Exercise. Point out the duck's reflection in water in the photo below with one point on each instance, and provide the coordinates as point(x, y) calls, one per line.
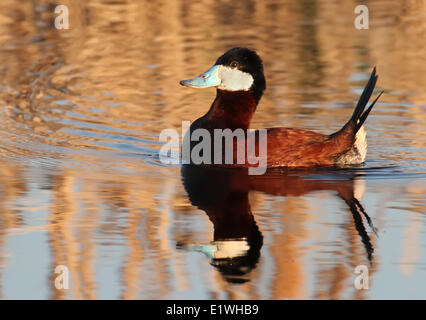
point(224, 195)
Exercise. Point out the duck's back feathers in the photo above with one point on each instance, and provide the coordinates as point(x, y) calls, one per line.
point(289, 147)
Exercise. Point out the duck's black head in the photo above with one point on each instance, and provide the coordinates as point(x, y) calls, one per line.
point(239, 69)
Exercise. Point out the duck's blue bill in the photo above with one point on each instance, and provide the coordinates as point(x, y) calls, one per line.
point(210, 78)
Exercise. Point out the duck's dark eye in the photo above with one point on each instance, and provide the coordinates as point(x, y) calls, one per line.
point(234, 64)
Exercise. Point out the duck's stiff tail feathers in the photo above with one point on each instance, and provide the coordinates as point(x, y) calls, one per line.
point(359, 116)
point(350, 141)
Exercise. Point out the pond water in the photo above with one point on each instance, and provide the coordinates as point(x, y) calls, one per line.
point(82, 185)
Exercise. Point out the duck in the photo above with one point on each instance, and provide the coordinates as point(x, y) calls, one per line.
point(239, 79)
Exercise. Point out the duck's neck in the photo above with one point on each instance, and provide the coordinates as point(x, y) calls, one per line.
point(232, 109)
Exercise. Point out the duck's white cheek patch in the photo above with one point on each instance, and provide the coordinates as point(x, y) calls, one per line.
point(234, 79)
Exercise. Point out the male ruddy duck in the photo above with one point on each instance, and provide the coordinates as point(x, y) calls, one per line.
point(240, 82)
